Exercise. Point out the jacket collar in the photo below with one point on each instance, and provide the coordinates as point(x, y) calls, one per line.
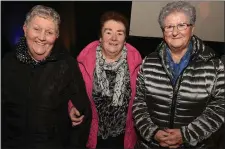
point(199, 51)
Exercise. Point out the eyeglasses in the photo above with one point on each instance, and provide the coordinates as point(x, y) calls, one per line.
point(180, 27)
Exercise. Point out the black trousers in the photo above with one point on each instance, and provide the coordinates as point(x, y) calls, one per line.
point(111, 142)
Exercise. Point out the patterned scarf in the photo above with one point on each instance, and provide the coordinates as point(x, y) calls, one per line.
point(22, 53)
point(120, 68)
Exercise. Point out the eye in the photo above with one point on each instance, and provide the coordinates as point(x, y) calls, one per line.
point(36, 28)
point(107, 32)
point(50, 33)
point(181, 25)
point(169, 27)
point(120, 33)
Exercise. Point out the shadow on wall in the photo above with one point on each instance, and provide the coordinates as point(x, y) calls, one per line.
point(147, 45)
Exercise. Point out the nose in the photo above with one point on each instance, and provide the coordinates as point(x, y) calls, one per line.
point(114, 36)
point(42, 36)
point(175, 31)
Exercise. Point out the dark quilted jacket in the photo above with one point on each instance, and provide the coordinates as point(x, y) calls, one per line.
point(195, 104)
point(35, 97)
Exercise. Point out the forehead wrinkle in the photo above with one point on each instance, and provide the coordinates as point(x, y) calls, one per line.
point(175, 21)
point(49, 27)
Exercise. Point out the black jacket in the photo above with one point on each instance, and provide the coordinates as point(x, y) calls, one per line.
point(195, 104)
point(35, 99)
point(223, 59)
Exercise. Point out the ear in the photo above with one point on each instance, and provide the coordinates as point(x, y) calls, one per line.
point(25, 29)
point(192, 30)
point(100, 39)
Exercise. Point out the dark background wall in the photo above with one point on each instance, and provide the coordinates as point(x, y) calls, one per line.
point(79, 26)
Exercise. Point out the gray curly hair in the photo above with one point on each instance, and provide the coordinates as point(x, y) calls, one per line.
point(177, 6)
point(44, 12)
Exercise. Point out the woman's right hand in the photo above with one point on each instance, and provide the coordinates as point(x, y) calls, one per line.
point(75, 117)
point(160, 137)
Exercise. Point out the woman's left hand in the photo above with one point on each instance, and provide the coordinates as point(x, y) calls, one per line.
point(174, 139)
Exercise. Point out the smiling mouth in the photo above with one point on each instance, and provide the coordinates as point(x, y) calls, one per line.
point(177, 38)
point(113, 44)
point(39, 43)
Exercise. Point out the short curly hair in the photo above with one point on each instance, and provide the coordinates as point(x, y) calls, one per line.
point(177, 6)
point(45, 12)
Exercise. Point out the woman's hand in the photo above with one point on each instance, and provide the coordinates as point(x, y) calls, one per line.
point(170, 138)
point(175, 136)
point(174, 139)
point(75, 117)
point(159, 136)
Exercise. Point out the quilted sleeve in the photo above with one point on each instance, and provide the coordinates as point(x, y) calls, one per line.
point(212, 117)
point(146, 128)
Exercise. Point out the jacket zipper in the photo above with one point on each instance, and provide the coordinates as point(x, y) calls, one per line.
point(172, 110)
point(175, 90)
point(174, 99)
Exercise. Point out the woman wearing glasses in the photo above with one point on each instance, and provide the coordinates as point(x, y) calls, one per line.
point(180, 87)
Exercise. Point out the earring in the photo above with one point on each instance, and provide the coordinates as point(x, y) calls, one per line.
point(100, 42)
